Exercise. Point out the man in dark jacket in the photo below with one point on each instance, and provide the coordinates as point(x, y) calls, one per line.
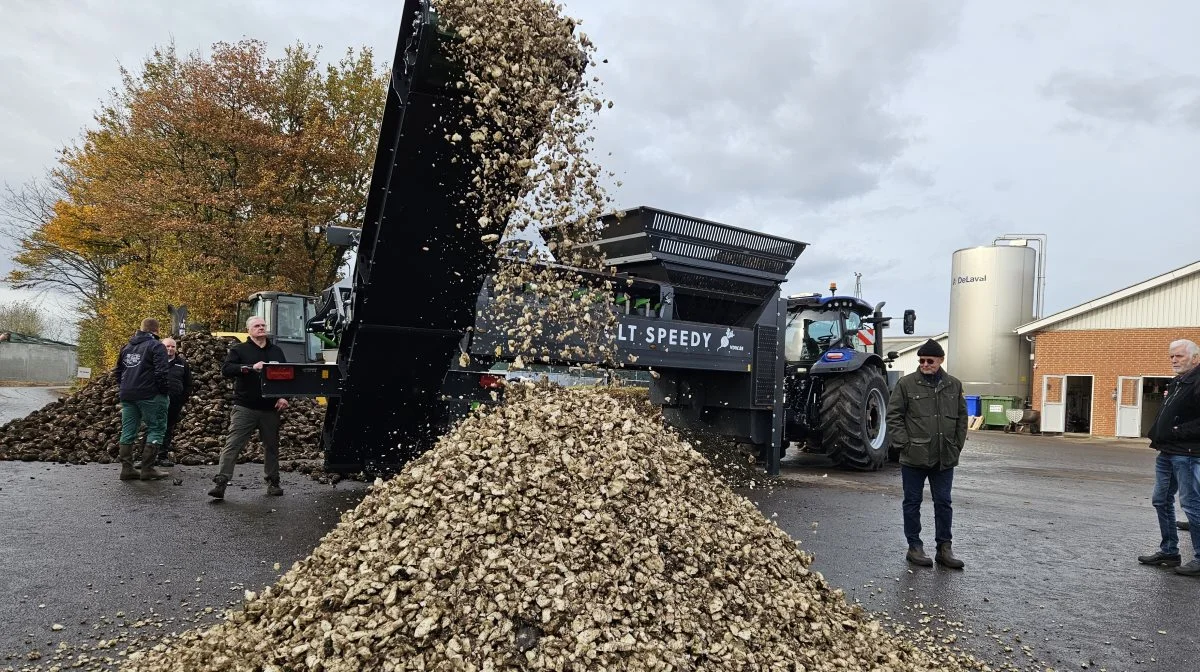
point(142, 380)
point(251, 411)
point(927, 419)
point(179, 382)
point(1176, 436)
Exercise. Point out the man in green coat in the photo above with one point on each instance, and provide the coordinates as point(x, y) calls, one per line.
point(927, 420)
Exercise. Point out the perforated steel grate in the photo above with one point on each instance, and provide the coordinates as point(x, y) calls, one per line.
point(704, 252)
point(724, 235)
point(766, 354)
point(683, 279)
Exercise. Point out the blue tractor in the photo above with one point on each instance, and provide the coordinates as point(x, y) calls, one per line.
point(836, 381)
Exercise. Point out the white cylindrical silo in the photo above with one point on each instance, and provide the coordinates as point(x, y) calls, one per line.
point(991, 294)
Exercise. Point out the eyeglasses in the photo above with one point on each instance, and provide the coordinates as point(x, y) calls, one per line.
point(927, 360)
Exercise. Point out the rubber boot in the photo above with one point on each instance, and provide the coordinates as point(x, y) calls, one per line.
point(138, 449)
point(128, 473)
point(945, 557)
point(218, 490)
point(149, 455)
point(916, 555)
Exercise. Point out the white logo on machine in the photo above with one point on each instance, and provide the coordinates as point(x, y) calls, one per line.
point(132, 359)
point(668, 336)
point(725, 342)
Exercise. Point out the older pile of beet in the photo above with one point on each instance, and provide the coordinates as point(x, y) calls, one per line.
point(85, 426)
point(561, 531)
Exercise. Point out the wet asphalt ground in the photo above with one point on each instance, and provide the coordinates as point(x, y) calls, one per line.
point(17, 402)
point(105, 558)
point(1048, 527)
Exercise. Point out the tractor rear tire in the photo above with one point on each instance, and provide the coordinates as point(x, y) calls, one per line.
point(853, 421)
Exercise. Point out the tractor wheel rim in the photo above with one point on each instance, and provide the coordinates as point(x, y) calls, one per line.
point(875, 418)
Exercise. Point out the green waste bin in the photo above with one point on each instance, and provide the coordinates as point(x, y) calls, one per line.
point(995, 409)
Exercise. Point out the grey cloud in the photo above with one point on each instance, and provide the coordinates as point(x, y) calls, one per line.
point(912, 175)
point(784, 101)
point(903, 262)
point(1042, 24)
point(1144, 99)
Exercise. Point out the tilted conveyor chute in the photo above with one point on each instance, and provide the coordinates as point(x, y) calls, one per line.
point(419, 263)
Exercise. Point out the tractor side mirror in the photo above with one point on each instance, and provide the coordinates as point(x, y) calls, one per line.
point(910, 321)
point(893, 356)
point(342, 236)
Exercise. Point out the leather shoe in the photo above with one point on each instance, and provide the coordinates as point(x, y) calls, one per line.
point(945, 557)
point(218, 490)
point(1160, 558)
point(1190, 569)
point(916, 555)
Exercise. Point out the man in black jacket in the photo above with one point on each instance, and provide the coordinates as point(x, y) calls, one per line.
point(1176, 436)
point(251, 411)
point(179, 382)
point(142, 380)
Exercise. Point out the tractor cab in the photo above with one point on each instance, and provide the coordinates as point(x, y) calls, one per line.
point(287, 316)
point(817, 324)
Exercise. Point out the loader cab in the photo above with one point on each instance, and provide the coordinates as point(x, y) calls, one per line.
point(286, 315)
point(816, 324)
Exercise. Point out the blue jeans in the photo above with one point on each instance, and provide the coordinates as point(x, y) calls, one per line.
point(1172, 474)
point(940, 482)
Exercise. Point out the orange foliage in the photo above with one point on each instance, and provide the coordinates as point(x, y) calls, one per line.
point(205, 179)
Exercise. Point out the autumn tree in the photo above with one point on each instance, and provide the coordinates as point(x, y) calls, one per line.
point(202, 180)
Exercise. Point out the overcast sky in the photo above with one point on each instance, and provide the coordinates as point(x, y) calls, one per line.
point(887, 134)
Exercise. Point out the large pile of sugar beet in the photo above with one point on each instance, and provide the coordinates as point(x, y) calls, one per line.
point(560, 531)
point(85, 426)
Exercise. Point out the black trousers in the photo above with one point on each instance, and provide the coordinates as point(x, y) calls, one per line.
point(173, 413)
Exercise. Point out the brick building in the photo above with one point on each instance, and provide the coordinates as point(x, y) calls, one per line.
point(1101, 367)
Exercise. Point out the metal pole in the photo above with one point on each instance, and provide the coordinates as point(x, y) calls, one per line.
point(1039, 293)
point(1040, 289)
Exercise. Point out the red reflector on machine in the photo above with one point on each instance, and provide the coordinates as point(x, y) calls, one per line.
point(280, 372)
point(489, 381)
point(834, 356)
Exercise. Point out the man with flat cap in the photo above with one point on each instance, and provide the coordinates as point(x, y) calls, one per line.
point(927, 420)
